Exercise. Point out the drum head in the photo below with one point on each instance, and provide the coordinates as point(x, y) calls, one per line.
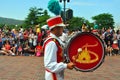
point(86, 50)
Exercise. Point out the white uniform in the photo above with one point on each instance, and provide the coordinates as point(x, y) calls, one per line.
point(54, 70)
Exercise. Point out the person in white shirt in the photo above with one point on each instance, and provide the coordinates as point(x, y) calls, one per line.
point(53, 58)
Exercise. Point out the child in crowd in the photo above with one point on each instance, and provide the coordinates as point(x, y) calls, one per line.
point(14, 46)
point(115, 47)
point(109, 48)
point(38, 50)
point(20, 50)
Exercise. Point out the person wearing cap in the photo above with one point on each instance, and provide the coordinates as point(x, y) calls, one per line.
point(53, 59)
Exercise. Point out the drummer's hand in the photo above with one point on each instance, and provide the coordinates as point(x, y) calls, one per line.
point(70, 65)
point(74, 58)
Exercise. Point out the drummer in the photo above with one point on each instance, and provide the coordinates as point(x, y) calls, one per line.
point(53, 58)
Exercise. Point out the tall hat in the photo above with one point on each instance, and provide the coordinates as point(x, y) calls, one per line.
point(55, 21)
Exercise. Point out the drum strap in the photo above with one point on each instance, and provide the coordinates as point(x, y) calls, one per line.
point(51, 39)
point(59, 52)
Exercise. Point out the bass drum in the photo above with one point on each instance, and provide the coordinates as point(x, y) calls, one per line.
point(86, 50)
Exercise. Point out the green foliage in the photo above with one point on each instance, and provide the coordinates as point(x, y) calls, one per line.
point(35, 17)
point(32, 18)
point(104, 20)
point(76, 23)
point(45, 12)
point(42, 19)
point(39, 16)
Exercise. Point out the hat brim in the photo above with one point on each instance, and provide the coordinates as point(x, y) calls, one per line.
point(58, 25)
point(62, 25)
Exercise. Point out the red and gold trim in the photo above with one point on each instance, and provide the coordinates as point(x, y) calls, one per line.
point(54, 77)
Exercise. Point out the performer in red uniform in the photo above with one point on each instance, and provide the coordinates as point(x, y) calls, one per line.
point(53, 54)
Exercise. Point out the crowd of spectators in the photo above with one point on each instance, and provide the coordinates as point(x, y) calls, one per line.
point(110, 37)
point(22, 41)
point(29, 42)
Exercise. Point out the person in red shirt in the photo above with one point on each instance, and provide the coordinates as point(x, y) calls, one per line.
point(25, 35)
point(39, 39)
point(38, 50)
point(7, 48)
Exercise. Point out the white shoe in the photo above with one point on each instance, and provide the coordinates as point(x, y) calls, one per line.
point(13, 54)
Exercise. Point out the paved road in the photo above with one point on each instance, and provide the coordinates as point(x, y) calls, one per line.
point(31, 68)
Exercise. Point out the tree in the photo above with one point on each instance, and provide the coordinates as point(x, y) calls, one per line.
point(32, 18)
point(76, 23)
point(104, 20)
point(42, 19)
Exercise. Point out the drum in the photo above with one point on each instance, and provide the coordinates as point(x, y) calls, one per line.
point(86, 50)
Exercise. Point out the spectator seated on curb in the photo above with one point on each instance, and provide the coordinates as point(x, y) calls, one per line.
point(14, 47)
point(6, 49)
point(115, 47)
point(20, 50)
point(27, 50)
point(109, 49)
point(38, 50)
point(2, 52)
point(31, 51)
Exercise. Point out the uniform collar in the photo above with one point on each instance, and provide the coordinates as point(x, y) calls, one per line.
point(54, 36)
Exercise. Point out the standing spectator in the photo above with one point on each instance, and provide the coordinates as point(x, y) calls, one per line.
point(84, 28)
point(111, 30)
point(44, 35)
point(118, 38)
point(25, 35)
point(30, 38)
point(39, 38)
point(37, 29)
point(0, 41)
point(13, 33)
point(115, 43)
point(21, 29)
point(20, 36)
point(114, 34)
point(16, 34)
point(3, 38)
point(108, 37)
point(35, 40)
point(103, 30)
point(63, 37)
point(11, 39)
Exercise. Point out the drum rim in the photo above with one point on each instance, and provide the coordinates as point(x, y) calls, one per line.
point(102, 58)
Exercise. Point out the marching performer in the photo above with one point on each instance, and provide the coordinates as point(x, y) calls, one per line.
point(53, 56)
